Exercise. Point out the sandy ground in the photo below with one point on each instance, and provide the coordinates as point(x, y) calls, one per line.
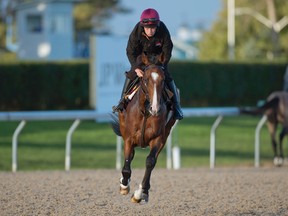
point(195, 191)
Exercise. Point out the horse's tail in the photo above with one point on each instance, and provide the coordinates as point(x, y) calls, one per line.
point(114, 122)
point(260, 110)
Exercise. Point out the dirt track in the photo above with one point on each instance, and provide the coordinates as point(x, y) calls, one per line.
point(196, 191)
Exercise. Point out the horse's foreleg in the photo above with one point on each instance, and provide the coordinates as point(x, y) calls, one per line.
point(126, 170)
point(143, 192)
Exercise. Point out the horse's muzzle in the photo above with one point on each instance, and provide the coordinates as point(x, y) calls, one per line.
point(154, 112)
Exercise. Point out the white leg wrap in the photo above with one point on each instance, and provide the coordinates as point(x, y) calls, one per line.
point(124, 186)
point(138, 193)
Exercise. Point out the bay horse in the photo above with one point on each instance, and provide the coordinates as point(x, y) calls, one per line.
point(276, 110)
point(146, 122)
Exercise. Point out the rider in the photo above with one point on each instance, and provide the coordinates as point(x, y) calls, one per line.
point(150, 35)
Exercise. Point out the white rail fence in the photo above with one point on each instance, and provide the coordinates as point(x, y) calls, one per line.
point(78, 116)
point(23, 117)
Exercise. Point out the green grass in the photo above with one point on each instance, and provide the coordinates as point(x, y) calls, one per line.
point(41, 144)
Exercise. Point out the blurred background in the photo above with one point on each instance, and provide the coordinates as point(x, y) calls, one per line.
point(202, 30)
point(225, 45)
point(227, 53)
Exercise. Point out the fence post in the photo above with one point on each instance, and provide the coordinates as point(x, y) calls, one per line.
point(257, 140)
point(15, 144)
point(118, 152)
point(68, 144)
point(212, 141)
point(176, 157)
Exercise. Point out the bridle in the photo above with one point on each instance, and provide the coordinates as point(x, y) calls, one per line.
point(146, 113)
point(144, 87)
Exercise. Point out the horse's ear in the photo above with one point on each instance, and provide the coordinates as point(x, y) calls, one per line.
point(161, 58)
point(144, 58)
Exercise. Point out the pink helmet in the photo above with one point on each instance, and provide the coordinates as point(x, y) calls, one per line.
point(149, 18)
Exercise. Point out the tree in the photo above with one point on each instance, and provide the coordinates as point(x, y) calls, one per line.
point(92, 14)
point(253, 39)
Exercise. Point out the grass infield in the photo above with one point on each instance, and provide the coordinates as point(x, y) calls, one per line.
point(41, 144)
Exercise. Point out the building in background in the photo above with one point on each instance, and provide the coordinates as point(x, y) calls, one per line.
point(45, 30)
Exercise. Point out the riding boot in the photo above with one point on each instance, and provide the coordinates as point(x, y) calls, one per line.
point(178, 114)
point(121, 104)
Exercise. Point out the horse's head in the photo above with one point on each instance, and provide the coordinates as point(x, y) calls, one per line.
point(153, 83)
point(156, 59)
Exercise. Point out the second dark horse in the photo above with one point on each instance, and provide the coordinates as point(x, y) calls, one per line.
point(276, 110)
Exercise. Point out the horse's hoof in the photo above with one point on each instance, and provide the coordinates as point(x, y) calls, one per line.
point(144, 197)
point(138, 196)
point(124, 191)
point(278, 161)
point(134, 200)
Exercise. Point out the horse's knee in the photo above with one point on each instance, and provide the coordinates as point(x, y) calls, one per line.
point(150, 162)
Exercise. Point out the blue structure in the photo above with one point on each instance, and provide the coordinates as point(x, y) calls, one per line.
point(45, 30)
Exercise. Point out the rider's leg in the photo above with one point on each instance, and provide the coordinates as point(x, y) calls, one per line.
point(178, 114)
point(120, 106)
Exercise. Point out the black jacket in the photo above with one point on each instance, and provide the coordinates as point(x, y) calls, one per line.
point(138, 43)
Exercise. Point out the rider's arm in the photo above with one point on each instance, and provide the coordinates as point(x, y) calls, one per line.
point(134, 49)
point(167, 43)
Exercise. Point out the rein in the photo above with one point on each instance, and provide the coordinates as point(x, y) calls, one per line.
point(144, 112)
point(142, 140)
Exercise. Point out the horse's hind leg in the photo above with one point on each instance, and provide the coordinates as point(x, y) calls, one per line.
point(126, 170)
point(272, 126)
point(281, 137)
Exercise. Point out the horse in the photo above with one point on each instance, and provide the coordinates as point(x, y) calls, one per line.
point(276, 110)
point(146, 122)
